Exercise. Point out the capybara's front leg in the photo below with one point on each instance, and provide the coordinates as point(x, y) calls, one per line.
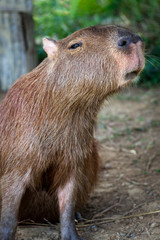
point(12, 188)
point(67, 199)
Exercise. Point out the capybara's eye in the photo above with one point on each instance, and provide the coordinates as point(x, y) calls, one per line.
point(75, 45)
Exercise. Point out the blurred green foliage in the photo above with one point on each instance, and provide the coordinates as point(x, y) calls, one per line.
point(59, 18)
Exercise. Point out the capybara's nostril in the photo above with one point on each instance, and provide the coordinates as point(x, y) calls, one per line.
point(125, 41)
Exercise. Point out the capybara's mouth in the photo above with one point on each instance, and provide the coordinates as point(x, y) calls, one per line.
point(132, 75)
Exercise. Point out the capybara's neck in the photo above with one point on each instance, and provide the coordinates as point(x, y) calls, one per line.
point(60, 115)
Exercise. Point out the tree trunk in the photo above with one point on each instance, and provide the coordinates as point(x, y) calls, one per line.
point(17, 48)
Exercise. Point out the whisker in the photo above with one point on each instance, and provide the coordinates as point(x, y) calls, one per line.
point(156, 63)
point(153, 64)
point(154, 60)
point(147, 51)
point(154, 56)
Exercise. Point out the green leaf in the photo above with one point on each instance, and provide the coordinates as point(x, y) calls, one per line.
point(73, 7)
point(83, 7)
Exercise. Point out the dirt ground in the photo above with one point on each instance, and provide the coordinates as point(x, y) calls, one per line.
point(126, 202)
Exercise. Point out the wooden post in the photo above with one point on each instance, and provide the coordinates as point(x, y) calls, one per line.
point(17, 48)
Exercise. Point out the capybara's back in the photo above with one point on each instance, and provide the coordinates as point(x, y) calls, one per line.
point(48, 155)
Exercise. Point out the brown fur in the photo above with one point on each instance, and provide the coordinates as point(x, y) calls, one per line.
point(47, 121)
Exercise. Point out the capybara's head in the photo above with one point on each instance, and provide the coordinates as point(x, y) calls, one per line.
point(96, 60)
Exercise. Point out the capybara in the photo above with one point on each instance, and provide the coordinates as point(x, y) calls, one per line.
point(48, 155)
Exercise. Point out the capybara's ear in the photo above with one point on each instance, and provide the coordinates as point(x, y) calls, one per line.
point(50, 47)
